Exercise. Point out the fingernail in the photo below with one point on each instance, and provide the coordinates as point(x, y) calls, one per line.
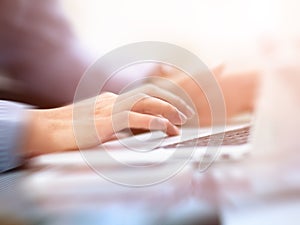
point(183, 118)
point(173, 131)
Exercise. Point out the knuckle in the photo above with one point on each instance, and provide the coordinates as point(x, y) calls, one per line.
point(126, 113)
point(108, 94)
point(170, 107)
point(150, 88)
point(139, 99)
point(142, 96)
point(165, 106)
point(178, 101)
point(124, 117)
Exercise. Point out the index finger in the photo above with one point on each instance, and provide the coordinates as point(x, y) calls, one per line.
point(162, 94)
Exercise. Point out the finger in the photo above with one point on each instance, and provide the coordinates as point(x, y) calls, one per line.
point(149, 105)
point(116, 136)
point(155, 106)
point(157, 92)
point(136, 120)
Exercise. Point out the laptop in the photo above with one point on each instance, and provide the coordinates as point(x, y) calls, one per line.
point(206, 145)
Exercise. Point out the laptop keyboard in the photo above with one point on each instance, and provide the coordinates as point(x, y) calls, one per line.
point(233, 137)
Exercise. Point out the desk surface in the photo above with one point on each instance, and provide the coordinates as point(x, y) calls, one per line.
point(227, 193)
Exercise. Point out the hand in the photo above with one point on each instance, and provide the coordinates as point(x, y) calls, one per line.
point(239, 91)
point(147, 107)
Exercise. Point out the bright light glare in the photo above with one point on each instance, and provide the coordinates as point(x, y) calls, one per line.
point(213, 29)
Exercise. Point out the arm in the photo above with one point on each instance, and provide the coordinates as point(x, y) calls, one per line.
point(29, 133)
point(239, 91)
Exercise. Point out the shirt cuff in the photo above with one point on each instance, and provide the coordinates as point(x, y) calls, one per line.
point(12, 121)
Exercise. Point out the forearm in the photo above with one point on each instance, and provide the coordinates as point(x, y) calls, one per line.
point(26, 133)
point(48, 131)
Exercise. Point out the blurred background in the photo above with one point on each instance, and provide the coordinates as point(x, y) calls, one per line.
point(233, 31)
point(215, 30)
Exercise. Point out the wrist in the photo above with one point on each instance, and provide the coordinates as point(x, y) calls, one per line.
point(50, 131)
point(39, 138)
